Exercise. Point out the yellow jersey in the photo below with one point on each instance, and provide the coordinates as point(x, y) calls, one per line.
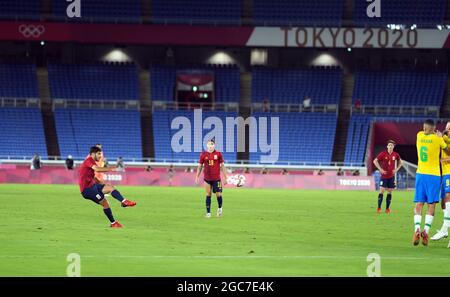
point(428, 148)
point(444, 155)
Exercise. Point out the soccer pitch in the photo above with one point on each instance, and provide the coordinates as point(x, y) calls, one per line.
point(263, 233)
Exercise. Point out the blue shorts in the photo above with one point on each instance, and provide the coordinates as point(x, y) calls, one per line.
point(94, 193)
point(445, 185)
point(388, 183)
point(216, 185)
point(427, 188)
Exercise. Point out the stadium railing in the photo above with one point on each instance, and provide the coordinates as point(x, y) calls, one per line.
point(400, 110)
point(288, 107)
point(216, 106)
point(139, 162)
point(95, 103)
point(20, 102)
point(144, 20)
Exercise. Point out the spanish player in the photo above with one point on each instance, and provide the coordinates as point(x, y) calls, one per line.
point(388, 163)
point(100, 176)
point(212, 162)
point(428, 178)
point(96, 192)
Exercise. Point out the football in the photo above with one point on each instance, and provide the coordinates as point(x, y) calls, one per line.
point(238, 180)
point(241, 181)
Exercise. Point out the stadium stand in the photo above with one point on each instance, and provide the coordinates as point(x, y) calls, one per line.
point(162, 139)
point(297, 12)
point(20, 10)
point(197, 12)
point(227, 81)
point(18, 81)
point(22, 132)
point(358, 133)
point(94, 82)
point(109, 11)
point(119, 131)
point(423, 13)
point(399, 88)
point(296, 128)
point(293, 85)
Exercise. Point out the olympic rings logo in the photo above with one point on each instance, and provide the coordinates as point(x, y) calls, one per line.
point(31, 30)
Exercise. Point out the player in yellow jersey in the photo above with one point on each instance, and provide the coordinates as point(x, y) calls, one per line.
point(428, 178)
point(445, 188)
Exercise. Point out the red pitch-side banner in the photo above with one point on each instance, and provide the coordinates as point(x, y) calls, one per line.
point(140, 177)
point(326, 37)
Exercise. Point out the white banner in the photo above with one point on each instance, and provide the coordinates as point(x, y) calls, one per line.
point(348, 37)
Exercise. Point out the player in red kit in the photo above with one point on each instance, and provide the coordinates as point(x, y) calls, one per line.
point(386, 163)
point(212, 162)
point(95, 191)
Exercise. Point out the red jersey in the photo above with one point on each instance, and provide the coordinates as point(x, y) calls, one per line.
point(211, 163)
point(86, 174)
point(387, 162)
point(100, 163)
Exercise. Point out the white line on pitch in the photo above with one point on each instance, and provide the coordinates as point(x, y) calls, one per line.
point(229, 257)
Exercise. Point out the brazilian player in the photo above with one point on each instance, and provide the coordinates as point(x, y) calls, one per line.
point(445, 188)
point(428, 178)
point(95, 191)
point(212, 162)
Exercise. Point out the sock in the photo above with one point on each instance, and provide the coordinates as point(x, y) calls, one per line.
point(116, 194)
point(208, 204)
point(380, 200)
point(444, 227)
point(219, 201)
point(417, 222)
point(428, 222)
point(108, 213)
point(446, 216)
point(388, 200)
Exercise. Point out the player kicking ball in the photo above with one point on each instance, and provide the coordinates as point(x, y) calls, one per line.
point(386, 163)
point(95, 191)
point(212, 162)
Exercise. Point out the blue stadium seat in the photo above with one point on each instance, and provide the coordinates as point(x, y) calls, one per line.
point(18, 81)
point(197, 12)
point(94, 82)
point(358, 133)
point(298, 13)
point(104, 11)
point(423, 13)
point(20, 10)
point(293, 85)
point(119, 131)
point(22, 132)
point(163, 134)
point(318, 128)
point(399, 88)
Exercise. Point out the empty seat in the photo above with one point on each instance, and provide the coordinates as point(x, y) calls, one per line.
point(94, 82)
point(293, 85)
point(119, 131)
point(22, 132)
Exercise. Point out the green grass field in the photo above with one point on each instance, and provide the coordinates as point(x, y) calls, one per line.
point(262, 233)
